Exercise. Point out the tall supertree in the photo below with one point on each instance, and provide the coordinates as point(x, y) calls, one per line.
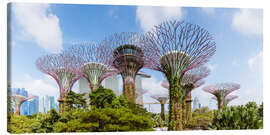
point(65, 71)
point(221, 91)
point(94, 60)
point(19, 100)
point(162, 99)
point(173, 48)
point(226, 100)
point(127, 57)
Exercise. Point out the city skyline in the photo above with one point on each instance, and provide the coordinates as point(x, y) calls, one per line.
point(243, 42)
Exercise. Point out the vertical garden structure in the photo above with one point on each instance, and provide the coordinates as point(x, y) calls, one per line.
point(162, 99)
point(93, 59)
point(126, 57)
point(221, 92)
point(173, 48)
point(19, 100)
point(64, 69)
point(226, 100)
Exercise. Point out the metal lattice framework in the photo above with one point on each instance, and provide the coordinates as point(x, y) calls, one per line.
point(173, 48)
point(94, 60)
point(126, 57)
point(64, 69)
point(19, 100)
point(162, 99)
point(221, 91)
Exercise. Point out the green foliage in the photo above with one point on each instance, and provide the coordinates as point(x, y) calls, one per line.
point(158, 122)
point(108, 113)
point(101, 97)
point(75, 100)
point(201, 119)
point(238, 117)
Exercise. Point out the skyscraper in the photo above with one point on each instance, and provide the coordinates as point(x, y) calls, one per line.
point(33, 106)
point(138, 86)
point(196, 104)
point(111, 82)
point(46, 103)
point(84, 88)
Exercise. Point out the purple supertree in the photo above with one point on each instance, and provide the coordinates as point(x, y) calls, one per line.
point(162, 99)
point(173, 48)
point(226, 100)
point(19, 100)
point(221, 91)
point(95, 68)
point(127, 57)
point(64, 69)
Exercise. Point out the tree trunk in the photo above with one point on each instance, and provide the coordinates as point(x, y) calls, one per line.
point(18, 109)
point(129, 92)
point(175, 104)
point(162, 112)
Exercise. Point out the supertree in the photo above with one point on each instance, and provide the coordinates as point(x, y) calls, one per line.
point(139, 94)
point(173, 48)
point(94, 60)
point(162, 99)
point(64, 69)
point(226, 100)
point(19, 100)
point(126, 57)
point(221, 91)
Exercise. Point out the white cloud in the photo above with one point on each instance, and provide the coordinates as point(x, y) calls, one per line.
point(211, 67)
point(38, 87)
point(248, 21)
point(39, 24)
point(153, 86)
point(151, 16)
point(256, 63)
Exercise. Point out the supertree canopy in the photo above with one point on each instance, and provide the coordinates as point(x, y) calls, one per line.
point(64, 69)
point(174, 47)
point(127, 57)
point(221, 91)
point(19, 100)
point(94, 60)
point(162, 99)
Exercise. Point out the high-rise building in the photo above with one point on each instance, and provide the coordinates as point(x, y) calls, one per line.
point(33, 106)
point(138, 86)
point(196, 104)
point(84, 88)
point(46, 103)
point(111, 82)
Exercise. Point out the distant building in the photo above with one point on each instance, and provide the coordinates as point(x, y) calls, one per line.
point(196, 104)
point(33, 106)
point(138, 86)
point(84, 88)
point(47, 103)
point(111, 82)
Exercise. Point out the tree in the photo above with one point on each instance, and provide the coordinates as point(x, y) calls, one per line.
point(127, 57)
point(221, 92)
point(238, 117)
point(201, 119)
point(162, 99)
point(75, 100)
point(173, 48)
point(19, 100)
point(101, 97)
point(64, 69)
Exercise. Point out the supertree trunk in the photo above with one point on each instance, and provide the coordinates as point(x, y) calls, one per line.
point(175, 104)
point(18, 109)
point(188, 110)
point(129, 92)
point(162, 113)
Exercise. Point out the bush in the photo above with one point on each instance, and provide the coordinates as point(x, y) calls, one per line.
point(238, 117)
point(201, 119)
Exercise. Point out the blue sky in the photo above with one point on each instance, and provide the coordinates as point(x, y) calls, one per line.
point(37, 29)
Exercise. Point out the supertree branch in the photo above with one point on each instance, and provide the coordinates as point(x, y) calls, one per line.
point(126, 57)
point(94, 60)
point(64, 69)
point(173, 48)
point(162, 99)
point(221, 91)
point(19, 100)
